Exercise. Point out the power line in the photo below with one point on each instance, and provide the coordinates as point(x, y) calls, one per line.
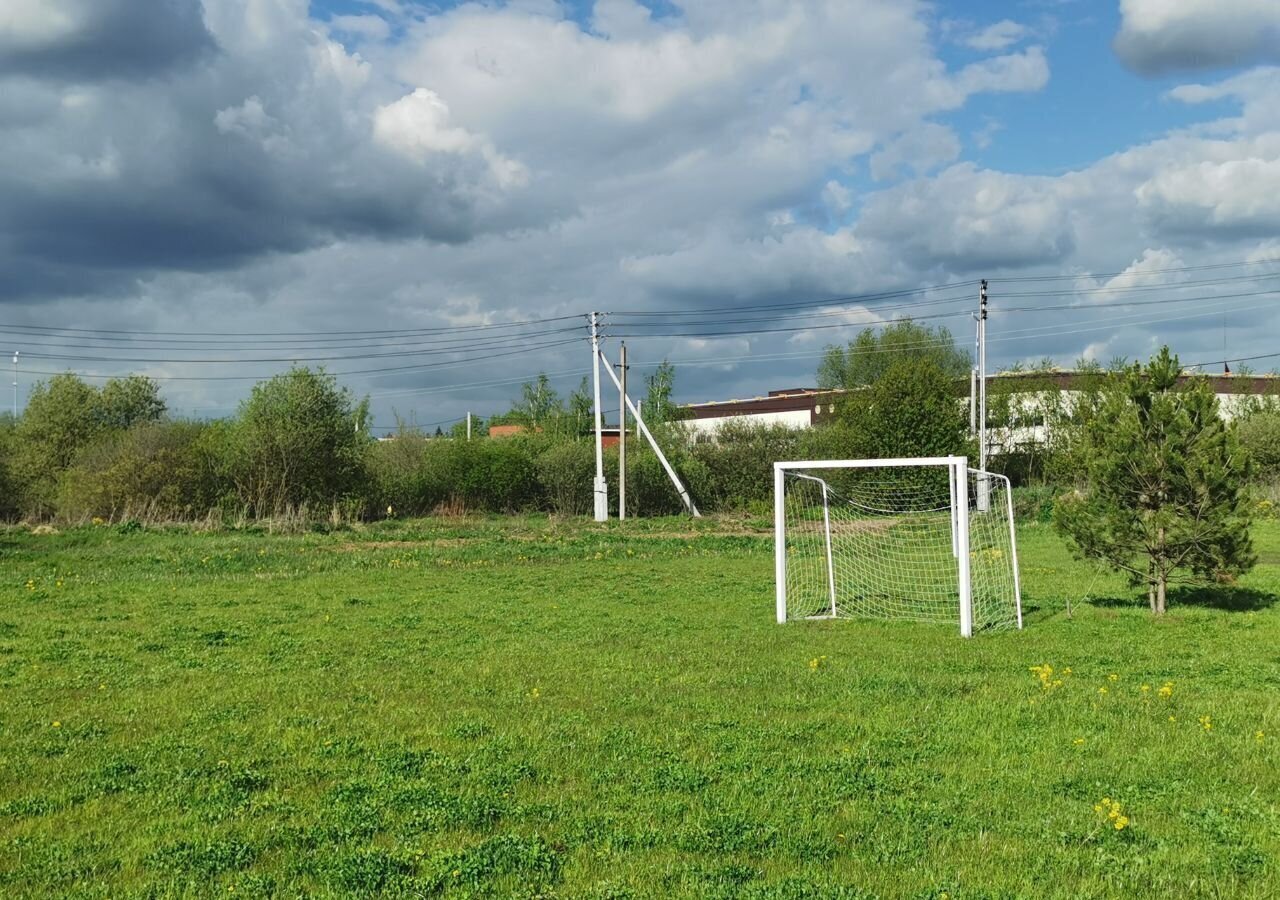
point(393, 332)
point(377, 371)
point(1161, 271)
point(453, 347)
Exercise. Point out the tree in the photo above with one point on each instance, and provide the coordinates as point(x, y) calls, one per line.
point(62, 417)
point(871, 354)
point(540, 401)
point(911, 410)
point(127, 401)
point(1162, 480)
point(657, 406)
point(581, 408)
point(297, 442)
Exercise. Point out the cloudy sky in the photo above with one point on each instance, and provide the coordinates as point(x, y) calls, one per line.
point(203, 190)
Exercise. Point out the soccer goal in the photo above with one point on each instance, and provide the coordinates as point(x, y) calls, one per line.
point(927, 539)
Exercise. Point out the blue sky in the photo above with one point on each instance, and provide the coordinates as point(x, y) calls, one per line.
point(269, 170)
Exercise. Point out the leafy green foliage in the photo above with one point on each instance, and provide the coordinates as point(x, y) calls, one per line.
point(298, 442)
point(1259, 434)
point(158, 470)
point(870, 355)
point(911, 410)
point(1163, 479)
point(657, 406)
point(63, 416)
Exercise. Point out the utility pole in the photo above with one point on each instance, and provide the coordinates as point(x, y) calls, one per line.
point(468, 424)
point(15, 384)
point(622, 433)
point(601, 488)
point(983, 499)
point(973, 401)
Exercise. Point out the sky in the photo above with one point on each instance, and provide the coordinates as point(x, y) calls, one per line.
point(428, 198)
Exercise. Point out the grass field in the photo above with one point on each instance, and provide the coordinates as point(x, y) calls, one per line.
point(519, 707)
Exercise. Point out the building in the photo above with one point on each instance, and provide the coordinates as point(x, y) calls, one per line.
point(794, 408)
point(806, 407)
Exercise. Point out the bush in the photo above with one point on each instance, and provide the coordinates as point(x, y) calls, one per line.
point(1033, 504)
point(649, 489)
point(154, 470)
point(398, 476)
point(566, 473)
point(1260, 436)
point(9, 490)
point(739, 463)
point(297, 444)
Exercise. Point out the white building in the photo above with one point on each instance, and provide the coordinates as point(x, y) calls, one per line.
point(806, 407)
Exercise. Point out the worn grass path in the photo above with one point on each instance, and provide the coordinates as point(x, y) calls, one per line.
point(519, 707)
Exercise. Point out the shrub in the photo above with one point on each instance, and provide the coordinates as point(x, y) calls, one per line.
point(1260, 435)
point(566, 472)
point(153, 470)
point(297, 443)
point(739, 463)
point(398, 476)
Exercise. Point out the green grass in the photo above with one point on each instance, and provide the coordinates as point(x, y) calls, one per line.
point(523, 708)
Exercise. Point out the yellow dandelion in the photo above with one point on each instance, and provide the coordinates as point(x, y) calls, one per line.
point(1258, 736)
point(1078, 741)
point(1173, 718)
point(57, 724)
point(1066, 671)
point(1166, 690)
point(1206, 723)
point(1121, 823)
point(1146, 689)
point(1102, 690)
point(1113, 677)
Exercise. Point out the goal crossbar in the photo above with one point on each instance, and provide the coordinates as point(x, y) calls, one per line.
point(981, 543)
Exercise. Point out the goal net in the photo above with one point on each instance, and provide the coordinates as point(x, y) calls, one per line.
point(922, 539)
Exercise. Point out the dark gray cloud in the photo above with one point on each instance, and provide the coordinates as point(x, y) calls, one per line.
point(95, 39)
point(1159, 37)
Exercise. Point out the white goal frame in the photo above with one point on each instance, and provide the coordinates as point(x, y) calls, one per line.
point(958, 476)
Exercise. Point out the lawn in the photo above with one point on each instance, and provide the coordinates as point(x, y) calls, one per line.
point(524, 707)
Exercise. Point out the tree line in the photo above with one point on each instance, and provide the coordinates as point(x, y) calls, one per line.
point(1136, 468)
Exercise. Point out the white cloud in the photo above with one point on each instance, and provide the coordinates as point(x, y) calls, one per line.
point(1237, 194)
point(1158, 36)
point(373, 28)
point(418, 125)
point(998, 36)
point(923, 148)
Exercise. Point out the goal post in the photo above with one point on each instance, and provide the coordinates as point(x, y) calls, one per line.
point(926, 539)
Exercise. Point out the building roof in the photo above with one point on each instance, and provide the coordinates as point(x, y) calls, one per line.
point(799, 399)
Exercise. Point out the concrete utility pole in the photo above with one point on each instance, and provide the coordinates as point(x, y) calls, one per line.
point(983, 499)
point(601, 487)
point(468, 424)
point(622, 433)
point(15, 384)
point(973, 401)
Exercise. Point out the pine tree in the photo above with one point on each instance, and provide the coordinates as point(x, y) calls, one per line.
point(1162, 483)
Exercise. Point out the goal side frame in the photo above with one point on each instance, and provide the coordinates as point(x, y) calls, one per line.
point(958, 477)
